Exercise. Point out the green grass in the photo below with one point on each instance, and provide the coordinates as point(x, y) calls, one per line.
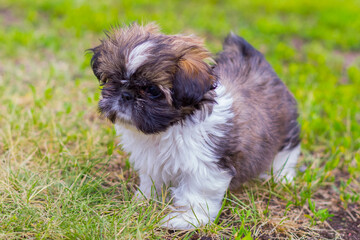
point(61, 174)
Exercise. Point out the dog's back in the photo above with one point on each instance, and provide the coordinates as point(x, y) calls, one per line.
point(265, 110)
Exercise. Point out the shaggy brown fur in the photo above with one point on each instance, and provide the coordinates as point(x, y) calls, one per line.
point(265, 119)
point(173, 52)
point(174, 64)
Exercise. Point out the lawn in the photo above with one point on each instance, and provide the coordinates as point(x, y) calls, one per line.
point(62, 175)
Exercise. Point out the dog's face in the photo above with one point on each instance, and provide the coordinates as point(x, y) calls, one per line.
point(150, 80)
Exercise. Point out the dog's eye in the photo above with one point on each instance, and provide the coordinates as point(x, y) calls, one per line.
point(153, 91)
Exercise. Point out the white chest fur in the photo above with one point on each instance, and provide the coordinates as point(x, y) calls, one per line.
point(182, 149)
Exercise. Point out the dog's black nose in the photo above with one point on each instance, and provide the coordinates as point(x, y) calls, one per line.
point(126, 96)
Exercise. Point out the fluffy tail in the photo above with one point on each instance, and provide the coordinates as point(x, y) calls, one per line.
point(239, 45)
point(239, 60)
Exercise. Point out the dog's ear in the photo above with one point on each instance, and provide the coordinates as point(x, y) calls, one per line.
point(193, 78)
point(95, 62)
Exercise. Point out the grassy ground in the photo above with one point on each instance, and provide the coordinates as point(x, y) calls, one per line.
point(61, 174)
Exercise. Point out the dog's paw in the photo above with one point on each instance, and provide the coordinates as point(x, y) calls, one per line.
point(286, 176)
point(184, 220)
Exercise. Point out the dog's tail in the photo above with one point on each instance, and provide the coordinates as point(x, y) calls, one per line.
point(240, 58)
point(239, 45)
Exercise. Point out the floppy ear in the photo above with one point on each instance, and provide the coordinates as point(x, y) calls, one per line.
point(95, 61)
point(193, 78)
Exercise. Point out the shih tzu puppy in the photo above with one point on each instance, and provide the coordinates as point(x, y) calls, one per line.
point(196, 125)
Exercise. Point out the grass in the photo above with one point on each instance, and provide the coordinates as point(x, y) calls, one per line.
point(62, 176)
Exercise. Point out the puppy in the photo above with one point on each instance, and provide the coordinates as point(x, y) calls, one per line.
point(193, 124)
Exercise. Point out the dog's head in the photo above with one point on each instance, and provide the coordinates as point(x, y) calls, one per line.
point(151, 80)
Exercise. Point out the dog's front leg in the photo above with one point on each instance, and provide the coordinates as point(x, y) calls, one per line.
point(197, 199)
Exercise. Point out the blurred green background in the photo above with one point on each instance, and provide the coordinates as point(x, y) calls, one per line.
point(51, 134)
point(313, 45)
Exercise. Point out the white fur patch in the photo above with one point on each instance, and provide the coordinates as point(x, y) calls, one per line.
point(137, 57)
point(284, 164)
point(182, 157)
